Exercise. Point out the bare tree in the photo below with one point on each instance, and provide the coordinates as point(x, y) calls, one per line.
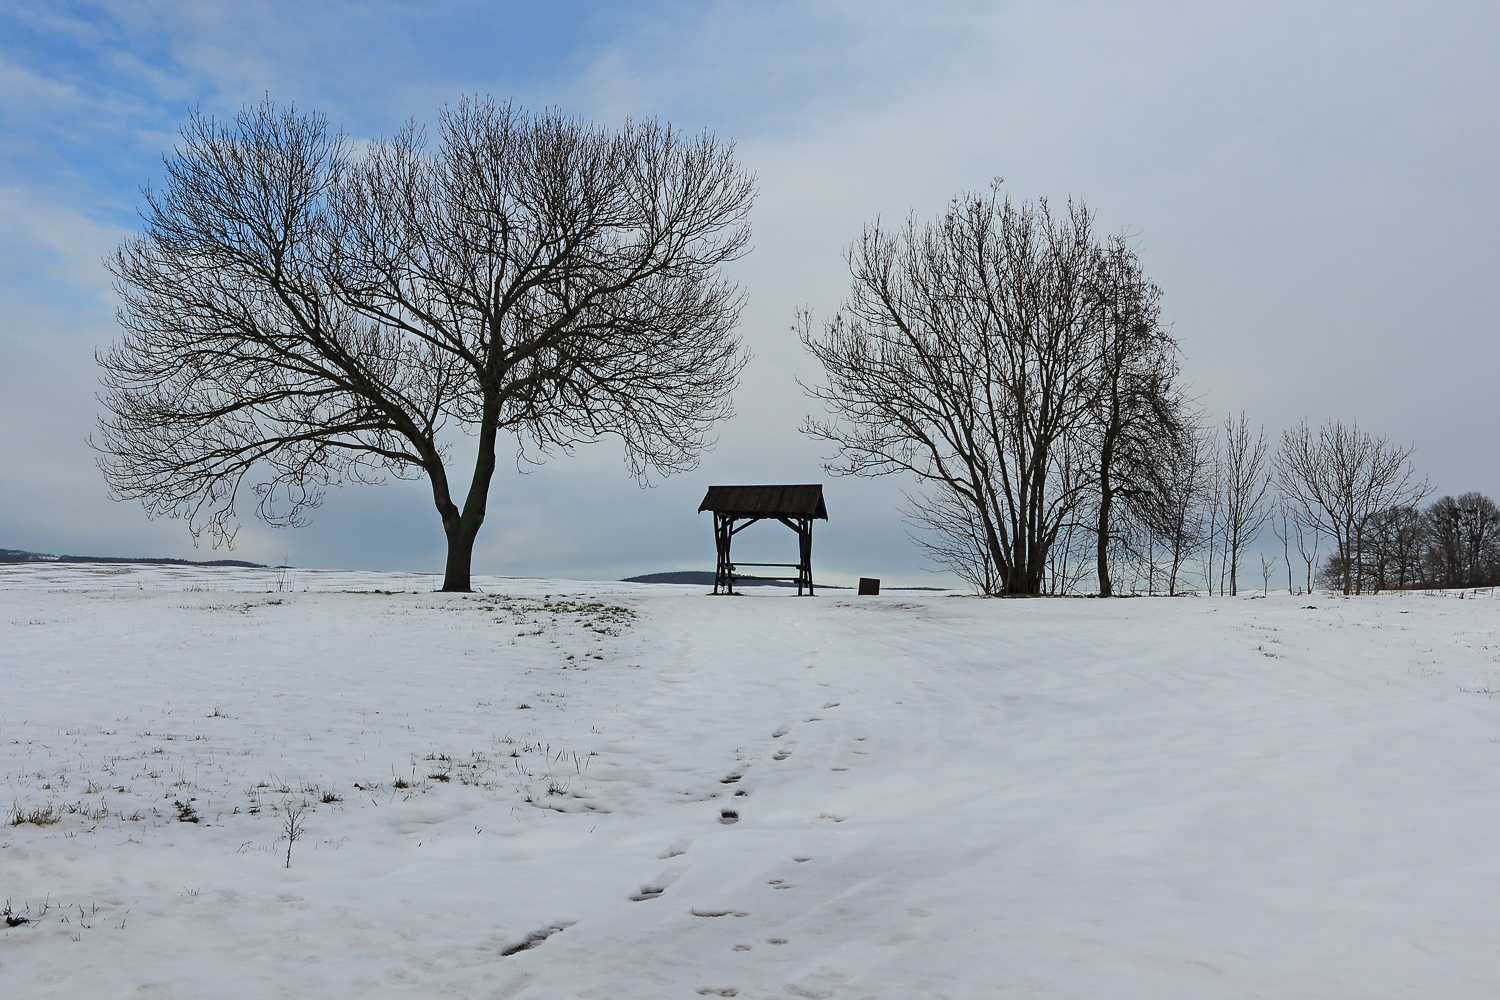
point(297, 316)
point(1309, 556)
point(1340, 478)
point(1245, 481)
point(1281, 527)
point(1175, 510)
point(1139, 409)
point(1392, 548)
point(964, 357)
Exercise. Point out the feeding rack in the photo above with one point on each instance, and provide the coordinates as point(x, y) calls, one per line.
point(794, 506)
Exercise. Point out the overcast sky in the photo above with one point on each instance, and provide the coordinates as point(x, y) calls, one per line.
point(1313, 185)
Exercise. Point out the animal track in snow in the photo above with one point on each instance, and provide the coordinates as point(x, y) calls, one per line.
point(703, 911)
point(780, 732)
point(831, 704)
point(730, 779)
point(719, 991)
point(813, 718)
point(741, 947)
point(780, 883)
point(727, 816)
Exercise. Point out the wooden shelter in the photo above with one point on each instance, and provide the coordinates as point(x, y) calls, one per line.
point(794, 506)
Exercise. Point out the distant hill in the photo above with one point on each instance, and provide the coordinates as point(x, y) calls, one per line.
point(707, 580)
point(18, 556)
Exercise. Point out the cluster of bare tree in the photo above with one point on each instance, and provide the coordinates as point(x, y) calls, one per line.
point(1016, 364)
point(1341, 503)
point(1454, 542)
point(1209, 505)
point(299, 313)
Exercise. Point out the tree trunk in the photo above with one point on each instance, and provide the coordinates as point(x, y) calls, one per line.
point(1106, 504)
point(1233, 558)
point(460, 559)
point(462, 532)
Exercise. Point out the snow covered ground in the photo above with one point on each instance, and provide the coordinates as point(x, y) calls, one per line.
point(559, 789)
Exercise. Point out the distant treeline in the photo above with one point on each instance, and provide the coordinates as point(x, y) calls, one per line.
point(1452, 543)
point(19, 556)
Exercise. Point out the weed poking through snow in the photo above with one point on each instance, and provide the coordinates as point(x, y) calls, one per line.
point(293, 827)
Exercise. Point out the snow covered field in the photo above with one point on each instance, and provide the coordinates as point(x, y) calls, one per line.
point(560, 789)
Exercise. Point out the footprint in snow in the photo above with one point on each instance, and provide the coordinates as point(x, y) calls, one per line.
point(727, 816)
point(654, 889)
point(831, 704)
point(675, 848)
point(803, 991)
point(719, 991)
point(535, 938)
point(730, 779)
point(782, 754)
point(780, 732)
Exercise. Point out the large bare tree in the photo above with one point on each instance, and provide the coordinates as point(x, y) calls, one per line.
point(963, 356)
point(1338, 480)
point(298, 314)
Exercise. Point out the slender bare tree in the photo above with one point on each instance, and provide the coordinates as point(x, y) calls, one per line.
point(1245, 480)
point(1339, 478)
point(1175, 509)
point(1281, 527)
point(296, 315)
point(1309, 556)
point(1140, 412)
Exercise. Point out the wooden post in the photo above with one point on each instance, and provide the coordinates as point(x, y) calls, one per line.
point(723, 536)
point(804, 544)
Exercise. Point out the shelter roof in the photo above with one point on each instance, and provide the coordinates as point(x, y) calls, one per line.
point(766, 501)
